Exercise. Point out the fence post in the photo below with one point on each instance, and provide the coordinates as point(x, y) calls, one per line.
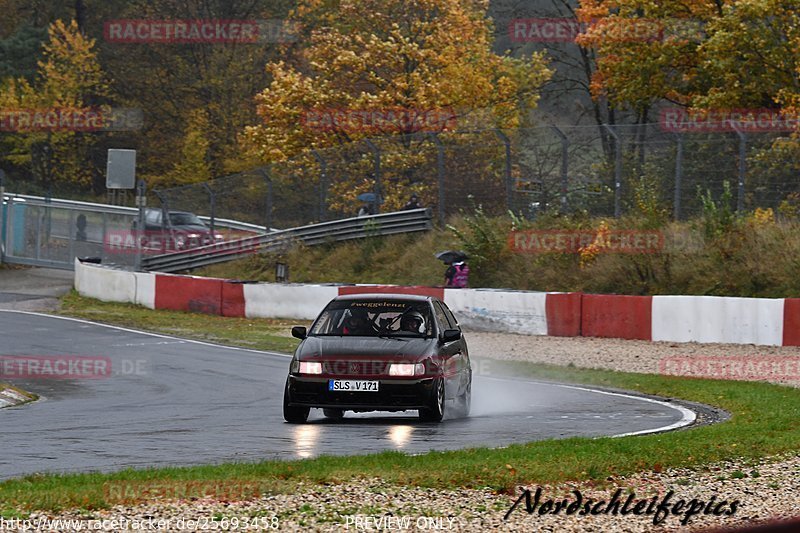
point(617, 169)
point(564, 167)
point(508, 180)
point(377, 171)
point(440, 174)
point(265, 172)
point(742, 167)
point(323, 185)
point(212, 200)
point(141, 203)
point(676, 208)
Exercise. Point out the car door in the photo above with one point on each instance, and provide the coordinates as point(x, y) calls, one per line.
point(451, 354)
point(464, 363)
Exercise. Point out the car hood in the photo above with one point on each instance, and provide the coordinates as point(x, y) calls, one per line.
point(326, 348)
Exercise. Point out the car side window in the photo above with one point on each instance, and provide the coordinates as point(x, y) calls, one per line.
point(450, 317)
point(441, 317)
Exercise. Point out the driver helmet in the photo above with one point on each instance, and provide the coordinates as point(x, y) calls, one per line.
point(357, 318)
point(413, 322)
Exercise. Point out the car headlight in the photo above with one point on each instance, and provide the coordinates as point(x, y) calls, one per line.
point(219, 237)
point(406, 369)
point(310, 368)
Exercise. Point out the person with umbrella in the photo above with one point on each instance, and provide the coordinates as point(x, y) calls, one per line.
point(457, 273)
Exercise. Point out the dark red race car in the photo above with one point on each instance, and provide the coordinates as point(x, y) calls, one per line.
point(380, 352)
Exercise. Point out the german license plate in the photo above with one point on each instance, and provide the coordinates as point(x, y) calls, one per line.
point(352, 385)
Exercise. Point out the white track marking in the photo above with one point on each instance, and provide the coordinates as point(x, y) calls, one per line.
point(688, 416)
point(140, 332)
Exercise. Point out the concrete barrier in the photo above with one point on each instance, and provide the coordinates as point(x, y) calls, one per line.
point(791, 322)
point(622, 317)
point(563, 312)
point(436, 292)
point(189, 293)
point(718, 319)
point(277, 300)
point(499, 310)
point(145, 289)
point(106, 284)
point(711, 319)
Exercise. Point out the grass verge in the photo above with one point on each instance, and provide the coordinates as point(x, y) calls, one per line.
point(257, 333)
point(765, 421)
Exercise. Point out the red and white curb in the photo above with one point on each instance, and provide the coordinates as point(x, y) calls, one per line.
point(706, 319)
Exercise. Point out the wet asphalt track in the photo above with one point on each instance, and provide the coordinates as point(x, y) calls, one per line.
point(192, 403)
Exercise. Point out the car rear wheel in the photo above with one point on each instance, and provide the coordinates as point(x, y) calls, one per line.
point(436, 405)
point(293, 414)
point(333, 414)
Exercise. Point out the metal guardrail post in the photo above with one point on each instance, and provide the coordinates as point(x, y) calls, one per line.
point(377, 171)
point(564, 166)
point(676, 208)
point(742, 167)
point(617, 169)
point(212, 200)
point(440, 175)
point(323, 185)
point(508, 180)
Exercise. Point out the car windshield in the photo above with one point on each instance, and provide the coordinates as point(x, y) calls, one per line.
point(185, 219)
point(373, 318)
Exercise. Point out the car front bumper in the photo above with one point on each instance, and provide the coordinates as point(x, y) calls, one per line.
point(392, 395)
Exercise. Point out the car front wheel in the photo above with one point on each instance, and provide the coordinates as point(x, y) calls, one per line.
point(293, 414)
point(464, 402)
point(436, 404)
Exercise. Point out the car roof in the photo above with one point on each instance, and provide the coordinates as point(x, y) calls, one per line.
point(385, 296)
point(171, 212)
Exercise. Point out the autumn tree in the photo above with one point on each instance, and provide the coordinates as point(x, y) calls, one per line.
point(193, 165)
point(703, 55)
point(69, 77)
point(380, 56)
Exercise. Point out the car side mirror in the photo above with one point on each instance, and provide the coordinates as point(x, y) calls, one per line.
point(299, 332)
point(450, 335)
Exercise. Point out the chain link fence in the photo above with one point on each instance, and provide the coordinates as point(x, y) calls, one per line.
point(601, 170)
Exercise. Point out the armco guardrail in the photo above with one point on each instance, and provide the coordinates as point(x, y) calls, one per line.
point(122, 210)
point(413, 220)
point(52, 232)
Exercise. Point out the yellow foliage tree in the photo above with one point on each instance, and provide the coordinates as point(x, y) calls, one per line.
point(193, 166)
point(69, 78)
point(390, 56)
